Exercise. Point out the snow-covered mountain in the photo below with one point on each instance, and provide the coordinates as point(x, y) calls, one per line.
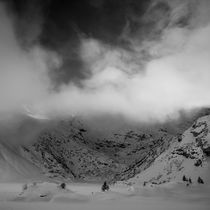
point(75, 150)
point(69, 149)
point(14, 167)
point(187, 156)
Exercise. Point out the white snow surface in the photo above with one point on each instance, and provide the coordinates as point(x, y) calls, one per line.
point(80, 196)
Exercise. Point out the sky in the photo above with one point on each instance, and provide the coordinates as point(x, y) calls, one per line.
point(143, 60)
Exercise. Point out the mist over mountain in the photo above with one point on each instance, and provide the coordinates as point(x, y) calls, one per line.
point(142, 60)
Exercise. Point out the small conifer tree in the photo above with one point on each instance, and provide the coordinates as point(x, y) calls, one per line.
point(184, 178)
point(200, 181)
point(63, 185)
point(105, 187)
point(25, 187)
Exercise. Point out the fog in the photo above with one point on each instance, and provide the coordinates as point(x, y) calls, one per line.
point(173, 76)
point(23, 75)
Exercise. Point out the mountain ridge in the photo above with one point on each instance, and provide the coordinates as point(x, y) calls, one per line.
point(69, 150)
point(187, 156)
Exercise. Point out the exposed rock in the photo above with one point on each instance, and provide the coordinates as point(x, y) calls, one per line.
point(207, 151)
point(183, 158)
point(68, 150)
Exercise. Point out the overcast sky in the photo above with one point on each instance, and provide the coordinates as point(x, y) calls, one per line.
point(144, 60)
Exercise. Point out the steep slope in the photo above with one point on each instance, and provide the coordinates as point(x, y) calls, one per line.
point(80, 150)
point(13, 167)
point(188, 155)
point(72, 150)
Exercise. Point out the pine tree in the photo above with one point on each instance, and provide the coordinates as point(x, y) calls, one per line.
point(63, 185)
point(184, 178)
point(200, 181)
point(105, 187)
point(25, 187)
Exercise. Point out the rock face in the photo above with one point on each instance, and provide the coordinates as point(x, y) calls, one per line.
point(75, 150)
point(69, 150)
point(187, 156)
point(200, 131)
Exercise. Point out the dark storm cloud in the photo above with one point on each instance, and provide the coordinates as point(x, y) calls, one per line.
point(28, 19)
point(60, 24)
point(140, 59)
point(113, 22)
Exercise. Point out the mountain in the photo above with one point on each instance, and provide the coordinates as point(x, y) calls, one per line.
point(14, 167)
point(78, 149)
point(188, 155)
point(69, 149)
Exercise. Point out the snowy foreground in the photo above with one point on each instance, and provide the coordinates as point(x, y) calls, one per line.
point(89, 196)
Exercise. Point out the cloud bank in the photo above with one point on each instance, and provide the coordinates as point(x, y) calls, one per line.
point(172, 75)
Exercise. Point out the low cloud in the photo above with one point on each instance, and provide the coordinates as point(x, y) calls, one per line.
point(174, 77)
point(24, 75)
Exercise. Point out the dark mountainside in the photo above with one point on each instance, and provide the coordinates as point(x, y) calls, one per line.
point(68, 150)
point(73, 150)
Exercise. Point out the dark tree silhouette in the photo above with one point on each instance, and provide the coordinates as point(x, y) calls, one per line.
point(63, 185)
point(184, 178)
point(190, 181)
point(105, 187)
point(200, 181)
point(25, 187)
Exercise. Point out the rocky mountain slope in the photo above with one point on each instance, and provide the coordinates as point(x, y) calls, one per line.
point(75, 150)
point(187, 156)
point(69, 150)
